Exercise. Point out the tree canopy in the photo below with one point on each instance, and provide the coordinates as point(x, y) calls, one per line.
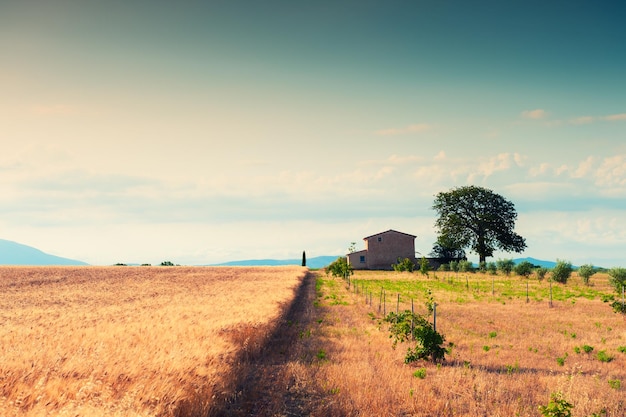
point(479, 219)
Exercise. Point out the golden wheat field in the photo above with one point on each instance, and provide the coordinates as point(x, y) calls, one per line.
point(131, 341)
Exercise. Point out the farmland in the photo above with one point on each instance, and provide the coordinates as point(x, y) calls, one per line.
point(510, 351)
point(132, 341)
point(179, 341)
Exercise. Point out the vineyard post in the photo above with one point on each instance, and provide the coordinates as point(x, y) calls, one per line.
point(384, 303)
point(623, 309)
point(493, 285)
point(550, 292)
point(380, 302)
point(398, 304)
point(435, 316)
point(412, 324)
point(467, 282)
point(527, 300)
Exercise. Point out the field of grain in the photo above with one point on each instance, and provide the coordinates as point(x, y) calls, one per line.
point(510, 352)
point(132, 341)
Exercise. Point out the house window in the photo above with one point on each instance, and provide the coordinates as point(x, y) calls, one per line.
point(380, 238)
point(362, 259)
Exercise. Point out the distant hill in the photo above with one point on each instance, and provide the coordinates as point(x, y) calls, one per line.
point(13, 253)
point(317, 262)
point(537, 262)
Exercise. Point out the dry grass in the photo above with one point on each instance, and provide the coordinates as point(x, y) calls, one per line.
point(132, 341)
point(505, 356)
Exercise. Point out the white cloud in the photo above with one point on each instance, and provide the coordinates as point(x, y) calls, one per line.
point(612, 172)
point(585, 168)
point(415, 128)
point(615, 117)
point(582, 120)
point(534, 114)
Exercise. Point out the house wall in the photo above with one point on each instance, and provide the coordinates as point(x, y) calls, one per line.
point(384, 249)
point(358, 260)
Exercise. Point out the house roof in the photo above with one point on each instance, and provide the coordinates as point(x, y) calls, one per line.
point(390, 230)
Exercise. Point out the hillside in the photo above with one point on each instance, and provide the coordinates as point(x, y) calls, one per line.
point(13, 253)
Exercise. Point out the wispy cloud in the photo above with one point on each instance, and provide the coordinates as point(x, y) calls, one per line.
point(415, 128)
point(615, 117)
point(534, 114)
point(591, 119)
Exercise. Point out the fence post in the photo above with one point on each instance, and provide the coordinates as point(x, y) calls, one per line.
point(527, 300)
point(550, 292)
point(384, 303)
point(412, 324)
point(435, 316)
point(398, 304)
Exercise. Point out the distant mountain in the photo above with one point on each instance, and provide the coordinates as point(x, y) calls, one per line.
point(317, 262)
point(13, 253)
point(539, 262)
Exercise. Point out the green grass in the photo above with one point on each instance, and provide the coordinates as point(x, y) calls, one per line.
point(457, 289)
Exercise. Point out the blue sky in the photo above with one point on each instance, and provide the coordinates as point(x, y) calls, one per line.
point(203, 132)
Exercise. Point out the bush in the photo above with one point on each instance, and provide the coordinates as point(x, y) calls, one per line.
point(618, 307)
point(523, 269)
point(340, 268)
point(403, 265)
point(541, 273)
point(505, 266)
point(557, 407)
point(454, 266)
point(617, 278)
point(466, 266)
point(444, 267)
point(429, 341)
point(585, 272)
point(492, 268)
point(424, 266)
point(562, 271)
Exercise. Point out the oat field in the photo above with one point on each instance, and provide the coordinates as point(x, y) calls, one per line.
point(131, 341)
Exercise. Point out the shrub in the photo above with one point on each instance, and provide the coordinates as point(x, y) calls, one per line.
point(617, 278)
point(619, 307)
point(482, 266)
point(424, 266)
point(340, 268)
point(523, 269)
point(505, 266)
point(541, 273)
point(585, 272)
point(557, 407)
point(603, 356)
point(444, 267)
point(420, 373)
point(403, 265)
point(615, 383)
point(492, 268)
point(454, 266)
point(466, 266)
point(587, 348)
point(562, 271)
point(429, 342)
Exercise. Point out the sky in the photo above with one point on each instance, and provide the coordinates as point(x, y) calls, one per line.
point(202, 132)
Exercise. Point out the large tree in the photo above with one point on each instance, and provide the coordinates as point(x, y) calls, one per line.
point(479, 219)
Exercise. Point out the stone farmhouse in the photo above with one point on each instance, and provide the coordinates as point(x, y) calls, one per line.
point(382, 250)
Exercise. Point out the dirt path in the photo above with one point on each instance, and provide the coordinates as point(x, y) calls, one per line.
point(270, 380)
